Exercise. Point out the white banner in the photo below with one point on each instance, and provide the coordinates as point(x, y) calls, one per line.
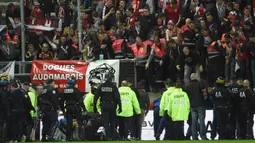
point(97, 70)
point(148, 131)
point(8, 71)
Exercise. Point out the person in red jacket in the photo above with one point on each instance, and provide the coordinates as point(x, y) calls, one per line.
point(172, 11)
point(242, 56)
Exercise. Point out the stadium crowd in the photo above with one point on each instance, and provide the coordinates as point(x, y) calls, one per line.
point(168, 39)
point(199, 42)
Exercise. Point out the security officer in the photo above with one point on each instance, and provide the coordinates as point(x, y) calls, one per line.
point(178, 109)
point(33, 98)
point(220, 95)
point(89, 98)
point(48, 105)
point(130, 105)
point(18, 107)
point(245, 96)
point(4, 110)
point(136, 122)
point(71, 104)
point(27, 120)
point(109, 98)
point(163, 110)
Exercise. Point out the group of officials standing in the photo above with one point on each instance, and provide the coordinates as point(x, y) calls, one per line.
point(17, 111)
point(233, 110)
point(125, 107)
point(118, 107)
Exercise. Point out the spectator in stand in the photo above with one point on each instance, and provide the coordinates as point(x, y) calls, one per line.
point(251, 50)
point(45, 54)
point(172, 11)
point(11, 12)
point(108, 15)
point(48, 6)
point(64, 50)
point(31, 53)
point(147, 21)
point(122, 7)
point(9, 48)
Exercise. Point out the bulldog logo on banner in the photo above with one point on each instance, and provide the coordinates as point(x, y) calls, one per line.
point(97, 75)
point(97, 70)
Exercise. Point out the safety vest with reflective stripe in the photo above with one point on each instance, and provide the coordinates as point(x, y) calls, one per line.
point(117, 47)
point(33, 100)
point(212, 51)
point(187, 40)
point(141, 52)
point(160, 52)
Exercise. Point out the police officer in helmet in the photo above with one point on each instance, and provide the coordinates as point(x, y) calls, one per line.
point(71, 104)
point(48, 105)
point(220, 95)
point(109, 98)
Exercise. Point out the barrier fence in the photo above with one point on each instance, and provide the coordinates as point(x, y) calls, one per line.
point(23, 70)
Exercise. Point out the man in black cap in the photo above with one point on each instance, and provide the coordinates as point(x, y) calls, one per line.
point(110, 98)
point(48, 105)
point(71, 102)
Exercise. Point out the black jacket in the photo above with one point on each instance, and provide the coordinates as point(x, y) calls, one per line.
point(71, 96)
point(17, 100)
point(4, 104)
point(251, 49)
point(191, 60)
point(221, 97)
point(109, 95)
point(245, 98)
point(48, 99)
point(194, 91)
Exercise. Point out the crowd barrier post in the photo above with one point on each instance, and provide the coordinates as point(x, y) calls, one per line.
point(79, 24)
point(22, 20)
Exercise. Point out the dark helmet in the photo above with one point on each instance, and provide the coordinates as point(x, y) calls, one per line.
point(109, 77)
